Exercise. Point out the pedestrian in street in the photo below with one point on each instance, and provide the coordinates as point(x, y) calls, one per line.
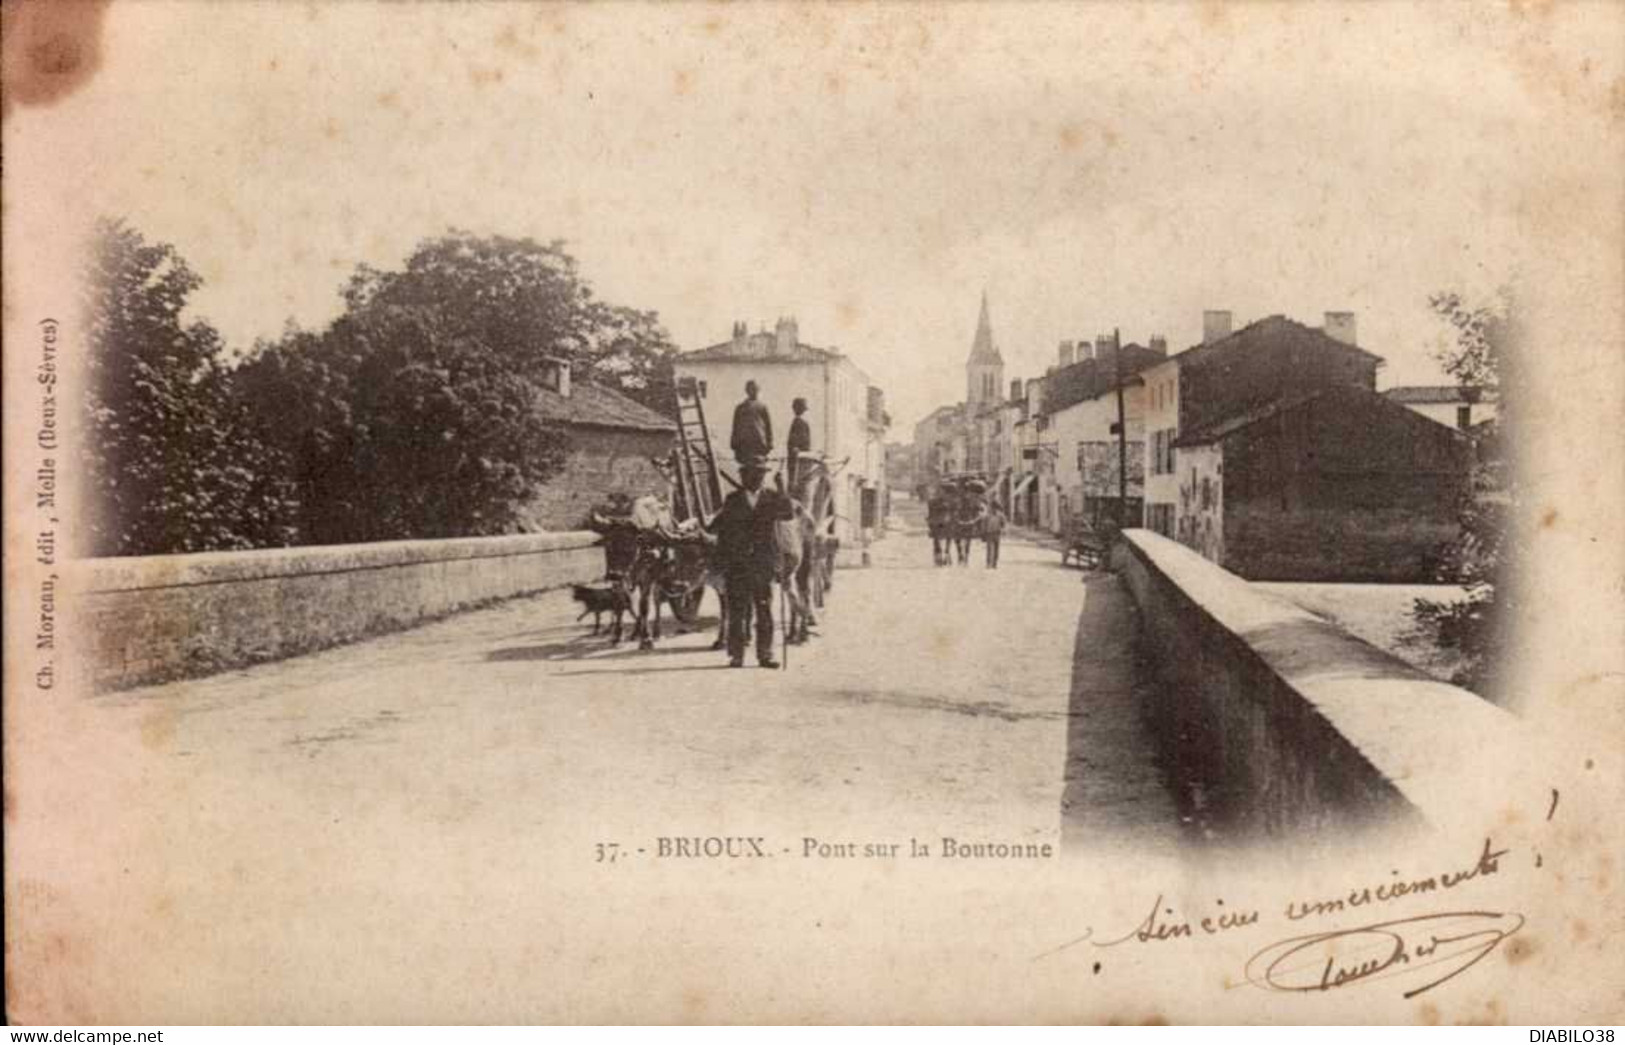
point(749, 554)
point(937, 524)
point(992, 532)
point(799, 443)
point(753, 428)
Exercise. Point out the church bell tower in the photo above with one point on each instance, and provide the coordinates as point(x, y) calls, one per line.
point(984, 370)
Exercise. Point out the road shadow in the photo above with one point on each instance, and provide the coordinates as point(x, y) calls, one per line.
point(721, 665)
point(582, 643)
point(581, 648)
point(916, 702)
point(1117, 787)
point(577, 645)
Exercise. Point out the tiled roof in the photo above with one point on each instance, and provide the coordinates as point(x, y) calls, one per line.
point(1069, 385)
point(1268, 328)
point(758, 349)
point(1435, 394)
point(1217, 430)
point(595, 406)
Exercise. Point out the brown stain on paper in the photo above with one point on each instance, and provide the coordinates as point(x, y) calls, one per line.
point(1555, 74)
point(48, 49)
point(37, 939)
point(158, 727)
point(1520, 949)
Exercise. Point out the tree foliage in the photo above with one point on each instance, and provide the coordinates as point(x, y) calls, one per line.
point(527, 302)
point(399, 429)
point(172, 462)
point(1472, 626)
point(415, 414)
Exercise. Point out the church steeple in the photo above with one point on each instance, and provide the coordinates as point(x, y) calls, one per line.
point(982, 349)
point(984, 370)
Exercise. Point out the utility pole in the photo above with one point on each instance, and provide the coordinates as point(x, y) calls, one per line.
point(1122, 432)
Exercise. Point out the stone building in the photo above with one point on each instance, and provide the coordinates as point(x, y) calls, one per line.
point(1335, 483)
point(1460, 406)
point(614, 442)
point(939, 444)
point(900, 467)
point(1034, 459)
point(1080, 407)
point(1231, 373)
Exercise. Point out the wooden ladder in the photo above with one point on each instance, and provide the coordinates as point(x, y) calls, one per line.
point(698, 483)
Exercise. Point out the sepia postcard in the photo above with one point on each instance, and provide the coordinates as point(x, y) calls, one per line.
point(737, 513)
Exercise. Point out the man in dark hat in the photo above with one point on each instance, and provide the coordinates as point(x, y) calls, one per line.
point(799, 443)
point(749, 556)
point(753, 427)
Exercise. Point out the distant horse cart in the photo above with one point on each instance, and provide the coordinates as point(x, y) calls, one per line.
point(969, 514)
point(955, 517)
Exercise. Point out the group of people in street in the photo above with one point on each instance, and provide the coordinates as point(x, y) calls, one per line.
point(747, 549)
point(958, 513)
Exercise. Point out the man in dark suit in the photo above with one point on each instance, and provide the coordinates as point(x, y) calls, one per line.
point(753, 427)
point(749, 557)
point(993, 532)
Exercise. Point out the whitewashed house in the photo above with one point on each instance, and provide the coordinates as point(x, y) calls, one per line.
point(845, 410)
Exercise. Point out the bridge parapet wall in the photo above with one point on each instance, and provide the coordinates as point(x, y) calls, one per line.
point(1291, 723)
point(169, 616)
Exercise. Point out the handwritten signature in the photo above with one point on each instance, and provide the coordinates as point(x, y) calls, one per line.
point(1436, 946)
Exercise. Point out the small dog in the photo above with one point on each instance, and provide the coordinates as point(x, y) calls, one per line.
point(601, 599)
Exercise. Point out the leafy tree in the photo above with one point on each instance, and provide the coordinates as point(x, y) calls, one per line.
point(400, 429)
point(524, 301)
point(1473, 626)
point(415, 414)
point(172, 462)
point(632, 352)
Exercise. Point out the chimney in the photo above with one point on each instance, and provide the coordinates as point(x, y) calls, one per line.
point(1086, 351)
point(1215, 325)
point(1159, 344)
point(1068, 353)
point(1103, 350)
point(740, 333)
point(1340, 326)
point(556, 375)
point(784, 336)
point(1015, 389)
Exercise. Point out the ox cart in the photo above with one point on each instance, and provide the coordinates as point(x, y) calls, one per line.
point(663, 550)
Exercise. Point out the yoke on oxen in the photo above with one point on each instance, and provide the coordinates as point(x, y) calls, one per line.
point(655, 558)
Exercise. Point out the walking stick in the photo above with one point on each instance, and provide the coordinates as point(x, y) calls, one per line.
point(784, 626)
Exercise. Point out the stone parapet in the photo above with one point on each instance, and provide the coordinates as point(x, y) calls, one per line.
point(155, 618)
point(1289, 722)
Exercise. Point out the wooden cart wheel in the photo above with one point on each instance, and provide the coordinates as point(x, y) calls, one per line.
point(686, 608)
